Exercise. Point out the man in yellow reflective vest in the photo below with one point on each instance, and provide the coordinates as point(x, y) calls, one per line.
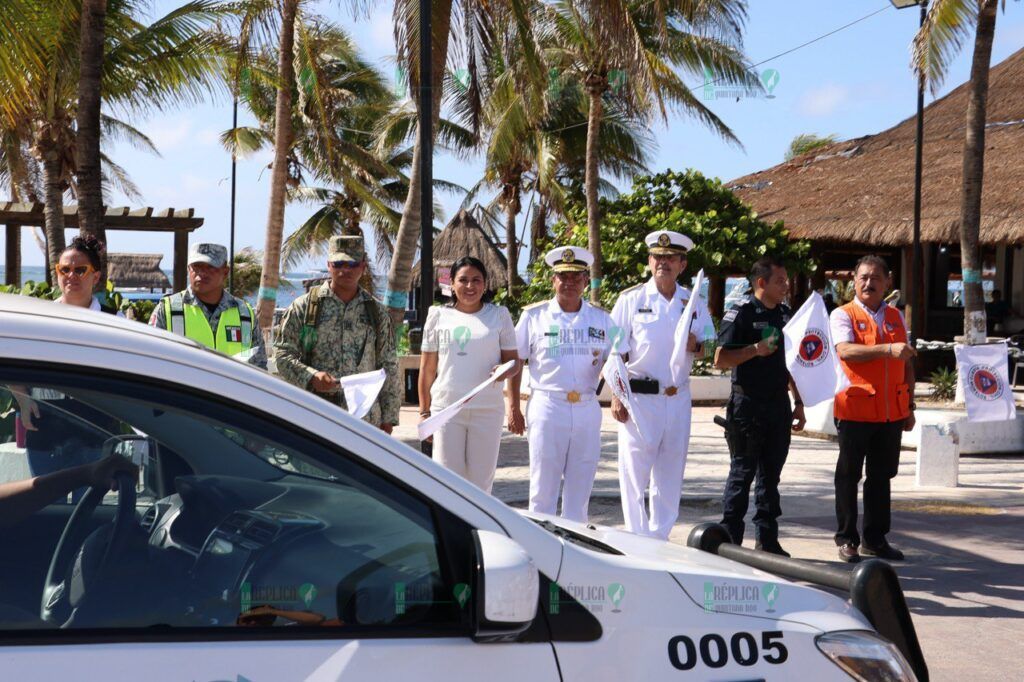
point(207, 313)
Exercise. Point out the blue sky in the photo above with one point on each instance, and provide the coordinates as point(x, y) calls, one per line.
point(853, 83)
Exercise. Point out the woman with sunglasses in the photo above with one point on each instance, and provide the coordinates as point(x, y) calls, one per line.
point(463, 342)
point(62, 432)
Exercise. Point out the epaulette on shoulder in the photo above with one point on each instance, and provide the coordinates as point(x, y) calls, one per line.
point(534, 305)
point(635, 286)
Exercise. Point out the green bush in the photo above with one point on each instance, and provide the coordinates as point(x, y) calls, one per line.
point(943, 382)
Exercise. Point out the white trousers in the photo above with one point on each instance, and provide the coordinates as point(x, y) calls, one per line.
point(565, 445)
point(468, 444)
point(658, 460)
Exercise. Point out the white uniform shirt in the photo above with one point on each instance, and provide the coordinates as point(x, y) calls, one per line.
point(566, 350)
point(841, 325)
point(468, 345)
point(648, 322)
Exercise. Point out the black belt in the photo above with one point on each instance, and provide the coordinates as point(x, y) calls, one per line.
point(644, 386)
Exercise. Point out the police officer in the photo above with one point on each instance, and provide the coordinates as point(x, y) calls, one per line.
point(566, 341)
point(645, 319)
point(758, 415)
point(207, 313)
point(338, 329)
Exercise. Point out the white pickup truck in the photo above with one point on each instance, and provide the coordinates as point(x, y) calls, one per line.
point(271, 537)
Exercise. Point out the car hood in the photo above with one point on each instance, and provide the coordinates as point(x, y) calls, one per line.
point(716, 584)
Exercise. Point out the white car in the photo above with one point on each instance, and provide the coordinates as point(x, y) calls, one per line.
point(272, 537)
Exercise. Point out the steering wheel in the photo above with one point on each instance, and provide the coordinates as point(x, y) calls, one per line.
point(73, 566)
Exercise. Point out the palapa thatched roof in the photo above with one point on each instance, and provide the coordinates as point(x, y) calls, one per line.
point(136, 271)
point(862, 190)
point(463, 236)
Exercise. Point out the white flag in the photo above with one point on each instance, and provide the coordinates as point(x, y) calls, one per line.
point(361, 391)
point(810, 355)
point(695, 319)
point(984, 375)
point(426, 428)
point(617, 378)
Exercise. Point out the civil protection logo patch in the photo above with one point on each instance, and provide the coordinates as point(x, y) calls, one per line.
point(984, 383)
point(813, 348)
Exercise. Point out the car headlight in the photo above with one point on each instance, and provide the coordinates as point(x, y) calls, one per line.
point(865, 656)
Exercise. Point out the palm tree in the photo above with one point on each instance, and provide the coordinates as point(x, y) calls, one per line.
point(90, 59)
point(167, 62)
point(476, 39)
point(537, 150)
point(630, 53)
point(948, 25)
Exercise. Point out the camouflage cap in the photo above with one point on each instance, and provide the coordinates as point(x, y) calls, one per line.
point(346, 248)
point(212, 254)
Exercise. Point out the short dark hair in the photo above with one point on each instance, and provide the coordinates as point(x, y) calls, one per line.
point(90, 246)
point(762, 269)
point(872, 260)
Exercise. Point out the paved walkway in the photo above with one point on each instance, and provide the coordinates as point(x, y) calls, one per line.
point(964, 573)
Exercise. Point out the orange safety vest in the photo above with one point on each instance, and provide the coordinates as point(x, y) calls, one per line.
point(877, 391)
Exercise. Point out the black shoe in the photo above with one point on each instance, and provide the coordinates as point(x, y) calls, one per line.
point(772, 548)
point(885, 551)
point(848, 553)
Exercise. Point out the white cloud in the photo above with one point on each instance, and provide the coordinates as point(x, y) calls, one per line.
point(167, 134)
point(824, 100)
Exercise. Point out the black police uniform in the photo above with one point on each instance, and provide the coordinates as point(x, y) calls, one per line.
point(759, 420)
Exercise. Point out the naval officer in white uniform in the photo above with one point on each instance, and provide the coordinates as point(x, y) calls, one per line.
point(566, 341)
point(647, 315)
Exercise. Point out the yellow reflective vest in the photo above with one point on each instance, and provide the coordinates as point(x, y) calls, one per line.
point(234, 329)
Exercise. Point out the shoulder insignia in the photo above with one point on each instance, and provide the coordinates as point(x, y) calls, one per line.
point(632, 288)
point(731, 314)
point(534, 305)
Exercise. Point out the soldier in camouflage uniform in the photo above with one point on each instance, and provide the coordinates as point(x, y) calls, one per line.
point(338, 329)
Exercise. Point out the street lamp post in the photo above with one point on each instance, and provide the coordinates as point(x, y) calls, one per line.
point(916, 298)
point(426, 124)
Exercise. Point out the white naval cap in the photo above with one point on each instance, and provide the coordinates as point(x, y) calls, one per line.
point(667, 242)
point(569, 259)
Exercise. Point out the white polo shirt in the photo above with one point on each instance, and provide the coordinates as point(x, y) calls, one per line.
point(648, 322)
point(566, 350)
point(841, 325)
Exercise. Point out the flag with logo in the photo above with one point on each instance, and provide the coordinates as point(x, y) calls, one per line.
point(696, 319)
point(984, 375)
point(810, 355)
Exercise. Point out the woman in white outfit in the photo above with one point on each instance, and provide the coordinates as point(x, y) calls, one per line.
point(463, 342)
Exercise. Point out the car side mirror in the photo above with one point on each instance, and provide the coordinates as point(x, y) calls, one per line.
point(507, 586)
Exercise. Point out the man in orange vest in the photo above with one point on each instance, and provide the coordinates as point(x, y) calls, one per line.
point(873, 412)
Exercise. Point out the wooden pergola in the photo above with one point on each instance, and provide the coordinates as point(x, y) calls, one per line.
point(179, 221)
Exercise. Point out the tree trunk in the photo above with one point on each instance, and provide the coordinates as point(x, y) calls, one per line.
point(53, 207)
point(716, 295)
point(90, 183)
point(407, 240)
point(283, 139)
point(511, 246)
point(538, 230)
point(973, 170)
point(591, 181)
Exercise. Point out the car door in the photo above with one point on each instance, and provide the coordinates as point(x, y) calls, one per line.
point(261, 552)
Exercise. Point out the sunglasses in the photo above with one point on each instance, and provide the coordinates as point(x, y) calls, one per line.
point(78, 270)
point(345, 264)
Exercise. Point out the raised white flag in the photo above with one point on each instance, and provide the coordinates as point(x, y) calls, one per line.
point(617, 378)
point(984, 376)
point(361, 391)
point(810, 355)
point(696, 320)
point(426, 428)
